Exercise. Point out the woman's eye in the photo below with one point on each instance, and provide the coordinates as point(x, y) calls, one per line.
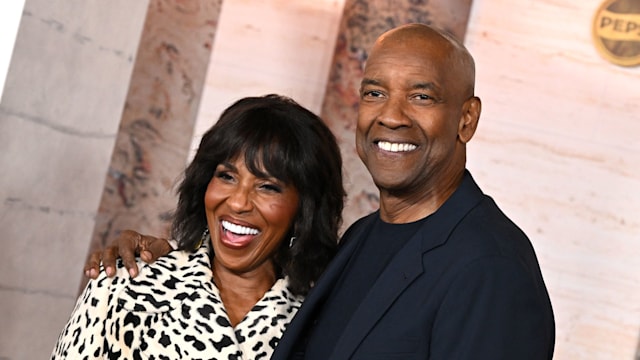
point(271, 188)
point(223, 175)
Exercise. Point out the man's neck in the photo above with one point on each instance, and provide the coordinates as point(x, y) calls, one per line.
point(412, 206)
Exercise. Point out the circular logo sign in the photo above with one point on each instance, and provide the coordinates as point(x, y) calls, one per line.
point(616, 31)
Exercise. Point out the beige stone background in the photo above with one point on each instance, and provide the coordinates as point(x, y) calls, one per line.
point(558, 145)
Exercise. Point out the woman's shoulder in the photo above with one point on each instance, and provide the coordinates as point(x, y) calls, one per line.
point(280, 290)
point(146, 271)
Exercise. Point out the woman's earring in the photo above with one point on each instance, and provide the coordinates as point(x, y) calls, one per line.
point(291, 241)
point(204, 236)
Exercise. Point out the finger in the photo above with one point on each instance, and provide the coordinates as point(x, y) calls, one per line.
point(129, 245)
point(109, 256)
point(151, 248)
point(92, 266)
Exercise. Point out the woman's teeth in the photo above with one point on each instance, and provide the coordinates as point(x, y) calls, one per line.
point(238, 229)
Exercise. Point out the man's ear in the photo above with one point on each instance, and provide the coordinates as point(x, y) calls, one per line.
point(469, 119)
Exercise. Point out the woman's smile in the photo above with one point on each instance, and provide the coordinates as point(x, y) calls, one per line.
point(253, 214)
point(235, 235)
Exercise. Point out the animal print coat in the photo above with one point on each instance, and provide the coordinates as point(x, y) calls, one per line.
point(171, 310)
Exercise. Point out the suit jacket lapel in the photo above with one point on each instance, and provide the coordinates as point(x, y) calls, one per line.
point(406, 266)
point(315, 299)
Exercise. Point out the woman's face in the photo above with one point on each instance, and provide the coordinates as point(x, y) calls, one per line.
point(248, 216)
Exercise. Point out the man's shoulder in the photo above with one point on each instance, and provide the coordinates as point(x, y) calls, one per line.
point(487, 218)
point(487, 231)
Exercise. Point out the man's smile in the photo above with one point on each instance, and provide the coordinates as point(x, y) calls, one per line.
point(395, 147)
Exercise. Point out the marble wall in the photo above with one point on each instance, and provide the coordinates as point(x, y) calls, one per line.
point(274, 46)
point(60, 110)
point(157, 121)
point(557, 145)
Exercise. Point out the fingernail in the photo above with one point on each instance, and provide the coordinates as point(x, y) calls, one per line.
point(132, 273)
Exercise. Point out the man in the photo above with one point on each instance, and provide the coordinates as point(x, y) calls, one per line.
point(438, 272)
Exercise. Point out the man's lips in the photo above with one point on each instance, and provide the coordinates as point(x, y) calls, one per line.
point(395, 147)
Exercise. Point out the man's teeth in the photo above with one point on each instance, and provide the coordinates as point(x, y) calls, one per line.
point(238, 229)
point(395, 147)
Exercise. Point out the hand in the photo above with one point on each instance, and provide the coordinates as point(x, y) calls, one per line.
point(126, 246)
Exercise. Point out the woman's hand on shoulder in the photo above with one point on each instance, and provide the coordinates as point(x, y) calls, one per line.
point(128, 244)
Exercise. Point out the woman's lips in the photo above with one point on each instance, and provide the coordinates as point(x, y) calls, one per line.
point(231, 239)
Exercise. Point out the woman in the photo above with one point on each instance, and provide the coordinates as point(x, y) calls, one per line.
point(257, 221)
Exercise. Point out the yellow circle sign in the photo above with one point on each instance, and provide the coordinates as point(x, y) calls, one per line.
point(616, 31)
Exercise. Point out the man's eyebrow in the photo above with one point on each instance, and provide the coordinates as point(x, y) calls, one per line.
point(369, 81)
point(424, 86)
point(416, 86)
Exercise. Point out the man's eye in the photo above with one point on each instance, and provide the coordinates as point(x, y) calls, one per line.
point(371, 93)
point(423, 97)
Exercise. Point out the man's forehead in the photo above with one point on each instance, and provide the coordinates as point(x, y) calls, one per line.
point(408, 66)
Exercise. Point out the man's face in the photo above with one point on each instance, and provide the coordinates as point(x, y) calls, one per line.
point(411, 103)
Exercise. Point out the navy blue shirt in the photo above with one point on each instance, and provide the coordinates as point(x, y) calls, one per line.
point(375, 251)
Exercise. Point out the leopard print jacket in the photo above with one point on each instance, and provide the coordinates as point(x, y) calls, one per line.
point(171, 310)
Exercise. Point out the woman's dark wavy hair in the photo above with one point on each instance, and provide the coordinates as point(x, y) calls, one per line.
point(287, 141)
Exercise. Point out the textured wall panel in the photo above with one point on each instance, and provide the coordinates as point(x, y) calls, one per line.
point(157, 122)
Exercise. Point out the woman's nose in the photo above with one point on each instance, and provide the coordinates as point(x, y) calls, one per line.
point(240, 200)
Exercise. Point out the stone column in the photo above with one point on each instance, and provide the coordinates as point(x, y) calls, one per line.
point(156, 128)
point(65, 90)
point(362, 22)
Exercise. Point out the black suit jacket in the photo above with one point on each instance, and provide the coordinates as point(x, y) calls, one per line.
point(467, 285)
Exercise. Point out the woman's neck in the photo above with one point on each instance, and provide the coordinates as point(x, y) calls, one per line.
point(239, 292)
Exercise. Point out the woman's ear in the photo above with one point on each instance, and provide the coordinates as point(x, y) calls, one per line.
point(469, 119)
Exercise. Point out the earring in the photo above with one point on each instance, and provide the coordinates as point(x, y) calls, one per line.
point(204, 236)
point(291, 241)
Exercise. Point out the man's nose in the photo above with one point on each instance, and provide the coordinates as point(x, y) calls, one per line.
point(393, 114)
